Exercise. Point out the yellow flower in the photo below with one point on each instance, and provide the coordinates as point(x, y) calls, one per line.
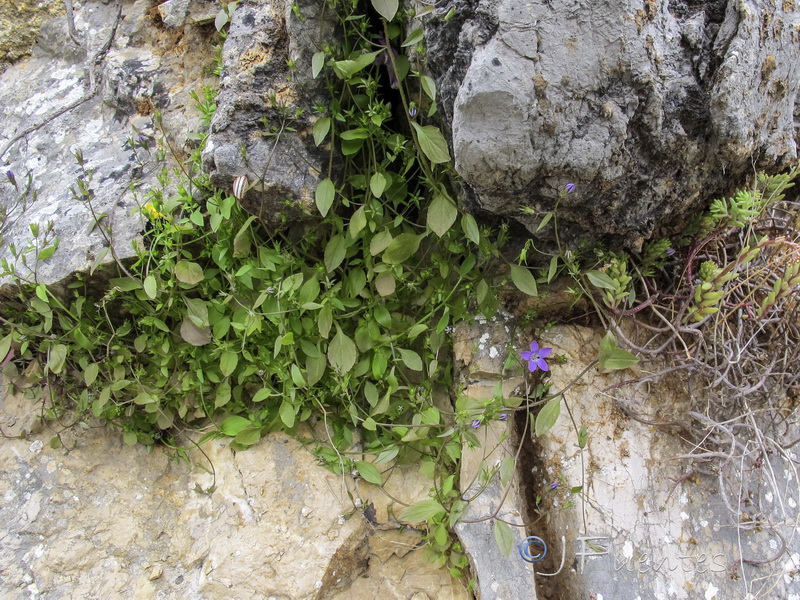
point(153, 212)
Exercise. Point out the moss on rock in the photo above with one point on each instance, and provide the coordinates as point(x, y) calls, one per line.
point(20, 21)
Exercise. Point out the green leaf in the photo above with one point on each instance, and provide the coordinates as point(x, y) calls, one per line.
point(41, 292)
point(197, 312)
point(386, 8)
point(357, 222)
point(351, 147)
point(5, 347)
point(385, 284)
point(324, 320)
point(150, 287)
point(130, 438)
point(57, 358)
point(401, 248)
point(188, 272)
point(441, 214)
point(355, 134)
point(83, 341)
point(90, 374)
point(413, 38)
point(377, 183)
point(506, 470)
point(335, 251)
point(545, 221)
point(422, 511)
point(321, 129)
point(503, 536)
point(342, 352)
point(380, 242)
point(297, 376)
point(345, 69)
point(287, 414)
point(315, 369)
point(194, 335)
point(601, 280)
point(261, 395)
point(49, 251)
point(220, 21)
point(428, 86)
point(126, 284)
point(371, 393)
point(387, 455)
point(242, 241)
point(551, 272)
point(432, 143)
point(369, 472)
point(416, 330)
point(548, 416)
point(324, 196)
point(233, 425)
point(402, 66)
point(470, 227)
point(611, 357)
point(411, 359)
point(309, 291)
point(248, 436)
point(583, 436)
point(524, 280)
point(227, 362)
point(317, 62)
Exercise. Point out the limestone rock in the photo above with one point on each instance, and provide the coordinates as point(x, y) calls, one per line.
point(20, 21)
point(105, 520)
point(650, 108)
point(480, 353)
point(262, 127)
point(49, 98)
point(647, 524)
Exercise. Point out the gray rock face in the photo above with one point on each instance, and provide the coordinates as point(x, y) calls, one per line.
point(480, 370)
point(650, 108)
point(262, 128)
point(53, 108)
point(105, 520)
point(649, 524)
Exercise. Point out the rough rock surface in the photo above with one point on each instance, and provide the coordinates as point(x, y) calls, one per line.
point(104, 520)
point(650, 108)
point(20, 21)
point(146, 69)
point(262, 127)
point(479, 353)
point(648, 526)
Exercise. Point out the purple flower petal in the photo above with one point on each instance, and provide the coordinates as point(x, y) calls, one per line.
point(542, 365)
point(526, 355)
point(476, 423)
point(534, 347)
point(545, 352)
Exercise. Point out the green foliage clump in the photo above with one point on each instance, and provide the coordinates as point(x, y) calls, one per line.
point(335, 331)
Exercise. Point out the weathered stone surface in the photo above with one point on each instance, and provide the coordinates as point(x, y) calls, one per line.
point(651, 108)
point(648, 526)
point(20, 21)
point(145, 70)
point(104, 520)
point(262, 127)
point(480, 353)
point(177, 13)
